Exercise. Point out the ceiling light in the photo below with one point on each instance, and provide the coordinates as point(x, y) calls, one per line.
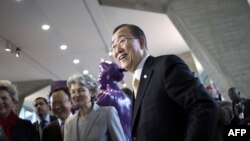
point(45, 27)
point(8, 46)
point(63, 47)
point(124, 85)
point(76, 61)
point(110, 53)
point(7, 49)
point(85, 72)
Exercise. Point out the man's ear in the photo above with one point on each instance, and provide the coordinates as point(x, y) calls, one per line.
point(142, 42)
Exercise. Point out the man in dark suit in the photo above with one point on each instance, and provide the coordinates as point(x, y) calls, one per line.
point(43, 117)
point(61, 108)
point(241, 107)
point(170, 103)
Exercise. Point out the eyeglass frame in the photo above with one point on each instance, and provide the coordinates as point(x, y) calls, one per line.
point(119, 42)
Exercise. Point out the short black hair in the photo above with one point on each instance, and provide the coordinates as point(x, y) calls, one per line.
point(44, 99)
point(136, 31)
point(65, 89)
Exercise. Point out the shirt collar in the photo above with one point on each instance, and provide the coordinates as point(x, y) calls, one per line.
point(60, 121)
point(138, 71)
point(47, 118)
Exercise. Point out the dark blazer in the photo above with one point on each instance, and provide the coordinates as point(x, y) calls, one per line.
point(172, 104)
point(52, 132)
point(24, 131)
point(36, 125)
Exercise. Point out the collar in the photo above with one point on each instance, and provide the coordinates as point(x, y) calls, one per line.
point(138, 71)
point(60, 121)
point(47, 118)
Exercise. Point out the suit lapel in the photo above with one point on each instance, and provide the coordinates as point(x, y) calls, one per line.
point(144, 81)
point(92, 118)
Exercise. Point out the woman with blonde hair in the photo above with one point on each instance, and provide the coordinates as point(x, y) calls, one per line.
point(14, 128)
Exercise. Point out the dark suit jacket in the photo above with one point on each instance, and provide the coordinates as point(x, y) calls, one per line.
point(24, 131)
point(52, 132)
point(171, 104)
point(36, 125)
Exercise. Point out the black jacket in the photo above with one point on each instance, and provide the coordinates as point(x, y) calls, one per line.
point(24, 131)
point(172, 104)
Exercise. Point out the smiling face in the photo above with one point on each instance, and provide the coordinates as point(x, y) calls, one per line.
point(80, 95)
point(6, 103)
point(60, 104)
point(129, 51)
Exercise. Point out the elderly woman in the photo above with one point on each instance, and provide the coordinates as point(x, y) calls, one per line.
point(90, 122)
point(15, 129)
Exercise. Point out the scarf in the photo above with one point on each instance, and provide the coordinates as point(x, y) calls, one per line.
point(7, 124)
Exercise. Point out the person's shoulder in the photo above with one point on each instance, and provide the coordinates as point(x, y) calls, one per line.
point(24, 123)
point(53, 123)
point(224, 103)
point(108, 109)
point(245, 99)
point(168, 57)
point(51, 126)
point(53, 118)
point(35, 123)
point(109, 112)
point(169, 60)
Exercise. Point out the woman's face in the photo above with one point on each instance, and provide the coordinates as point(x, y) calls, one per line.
point(80, 95)
point(6, 103)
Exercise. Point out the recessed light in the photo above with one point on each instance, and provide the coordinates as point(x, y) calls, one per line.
point(63, 47)
point(45, 27)
point(110, 53)
point(124, 85)
point(8, 49)
point(85, 72)
point(76, 61)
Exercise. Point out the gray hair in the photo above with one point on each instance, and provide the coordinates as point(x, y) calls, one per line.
point(6, 85)
point(85, 80)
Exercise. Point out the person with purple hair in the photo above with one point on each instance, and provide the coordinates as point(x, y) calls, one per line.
point(111, 95)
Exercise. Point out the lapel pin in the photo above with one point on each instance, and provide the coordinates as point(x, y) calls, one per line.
point(145, 76)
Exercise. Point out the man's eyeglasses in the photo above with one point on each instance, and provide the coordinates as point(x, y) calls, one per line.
point(119, 42)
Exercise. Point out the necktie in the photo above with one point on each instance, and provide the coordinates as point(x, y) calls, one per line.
point(135, 85)
point(43, 123)
point(62, 129)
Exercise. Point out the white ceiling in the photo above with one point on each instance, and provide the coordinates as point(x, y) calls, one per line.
point(83, 25)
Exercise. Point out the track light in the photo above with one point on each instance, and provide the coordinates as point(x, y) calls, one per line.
point(18, 50)
point(8, 47)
